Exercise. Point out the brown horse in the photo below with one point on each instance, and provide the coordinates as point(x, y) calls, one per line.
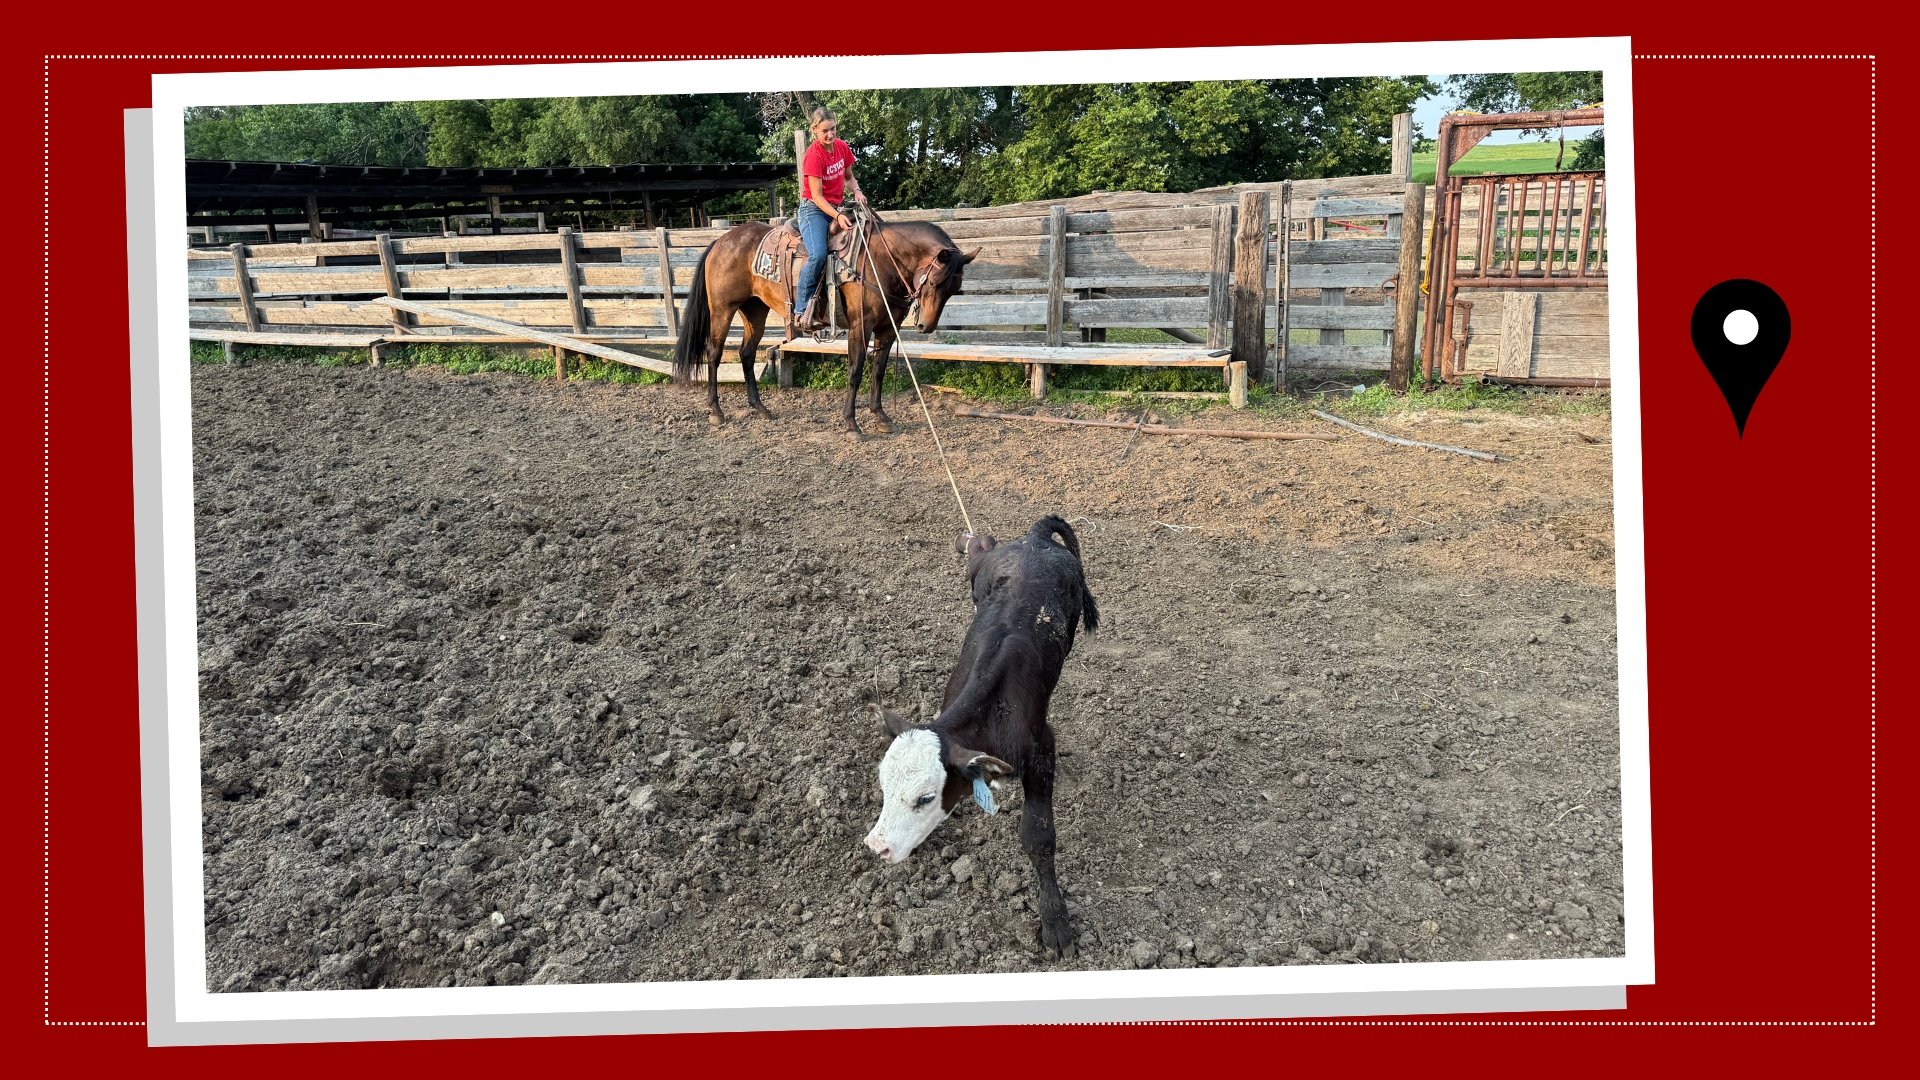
point(913, 260)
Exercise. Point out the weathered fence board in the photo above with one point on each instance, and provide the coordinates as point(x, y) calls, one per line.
point(1339, 357)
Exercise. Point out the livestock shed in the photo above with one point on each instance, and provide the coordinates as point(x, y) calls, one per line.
point(310, 199)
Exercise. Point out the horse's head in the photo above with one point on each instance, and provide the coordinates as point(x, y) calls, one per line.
point(939, 278)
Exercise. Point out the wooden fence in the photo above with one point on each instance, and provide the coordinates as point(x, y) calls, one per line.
point(1326, 257)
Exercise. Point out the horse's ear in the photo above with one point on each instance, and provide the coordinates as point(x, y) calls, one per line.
point(968, 257)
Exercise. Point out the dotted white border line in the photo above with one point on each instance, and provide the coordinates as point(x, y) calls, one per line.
point(1872, 554)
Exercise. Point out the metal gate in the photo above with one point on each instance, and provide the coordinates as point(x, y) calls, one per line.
point(1522, 231)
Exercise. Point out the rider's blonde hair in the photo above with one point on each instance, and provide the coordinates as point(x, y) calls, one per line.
point(820, 115)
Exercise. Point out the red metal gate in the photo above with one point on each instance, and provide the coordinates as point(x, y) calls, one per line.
point(1520, 231)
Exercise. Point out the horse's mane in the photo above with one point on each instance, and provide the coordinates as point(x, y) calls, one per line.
point(923, 230)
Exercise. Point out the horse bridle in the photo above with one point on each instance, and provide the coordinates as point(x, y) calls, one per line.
point(918, 279)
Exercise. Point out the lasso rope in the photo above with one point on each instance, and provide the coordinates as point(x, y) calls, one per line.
point(917, 394)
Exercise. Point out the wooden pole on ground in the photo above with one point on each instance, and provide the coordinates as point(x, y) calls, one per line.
point(244, 282)
point(1056, 280)
point(666, 282)
point(1219, 290)
point(1250, 286)
point(1406, 294)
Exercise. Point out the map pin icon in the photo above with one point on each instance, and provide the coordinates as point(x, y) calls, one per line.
point(1740, 329)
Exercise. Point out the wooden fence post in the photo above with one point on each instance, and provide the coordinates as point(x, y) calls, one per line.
point(1250, 284)
point(493, 213)
point(244, 283)
point(570, 269)
point(1406, 294)
point(384, 244)
point(666, 283)
point(314, 228)
point(1403, 146)
point(1237, 380)
point(1219, 290)
point(1056, 282)
point(1037, 381)
point(1282, 284)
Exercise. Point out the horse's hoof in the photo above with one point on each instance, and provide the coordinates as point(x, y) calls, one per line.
point(762, 412)
point(883, 422)
point(851, 430)
point(716, 419)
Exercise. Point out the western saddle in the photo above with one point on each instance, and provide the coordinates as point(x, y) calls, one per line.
point(782, 255)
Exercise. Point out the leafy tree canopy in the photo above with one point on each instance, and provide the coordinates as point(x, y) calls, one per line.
point(1537, 91)
point(916, 147)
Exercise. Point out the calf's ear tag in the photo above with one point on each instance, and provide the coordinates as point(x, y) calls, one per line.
point(983, 794)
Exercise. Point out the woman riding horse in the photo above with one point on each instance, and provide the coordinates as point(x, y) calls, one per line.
point(827, 172)
point(906, 264)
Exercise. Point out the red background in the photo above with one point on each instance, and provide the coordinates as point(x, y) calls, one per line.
point(1761, 575)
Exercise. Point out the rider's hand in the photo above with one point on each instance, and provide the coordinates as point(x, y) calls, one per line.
point(860, 197)
point(845, 222)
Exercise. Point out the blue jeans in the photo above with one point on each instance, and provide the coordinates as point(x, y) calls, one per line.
point(813, 232)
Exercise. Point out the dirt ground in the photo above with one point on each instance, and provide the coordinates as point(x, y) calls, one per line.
point(505, 681)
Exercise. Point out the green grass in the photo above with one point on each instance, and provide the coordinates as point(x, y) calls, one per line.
point(457, 359)
point(1522, 157)
point(1001, 384)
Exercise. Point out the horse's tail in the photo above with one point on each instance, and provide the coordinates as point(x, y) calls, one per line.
point(695, 322)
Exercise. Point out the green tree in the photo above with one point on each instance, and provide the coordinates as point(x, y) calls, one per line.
point(1182, 136)
point(352, 133)
point(1538, 91)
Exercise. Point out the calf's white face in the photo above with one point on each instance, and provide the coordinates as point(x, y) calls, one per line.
point(912, 775)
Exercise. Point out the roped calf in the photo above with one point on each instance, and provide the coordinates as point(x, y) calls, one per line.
point(1028, 596)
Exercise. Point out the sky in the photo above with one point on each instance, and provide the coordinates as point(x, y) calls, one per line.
point(1428, 111)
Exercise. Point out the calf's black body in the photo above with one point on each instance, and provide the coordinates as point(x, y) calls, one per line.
point(1029, 596)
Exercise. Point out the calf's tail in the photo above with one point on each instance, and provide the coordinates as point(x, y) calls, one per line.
point(1054, 523)
point(1043, 530)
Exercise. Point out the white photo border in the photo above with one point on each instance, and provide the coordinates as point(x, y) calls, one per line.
point(182, 1011)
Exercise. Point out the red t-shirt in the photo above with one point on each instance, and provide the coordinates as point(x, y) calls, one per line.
point(830, 165)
